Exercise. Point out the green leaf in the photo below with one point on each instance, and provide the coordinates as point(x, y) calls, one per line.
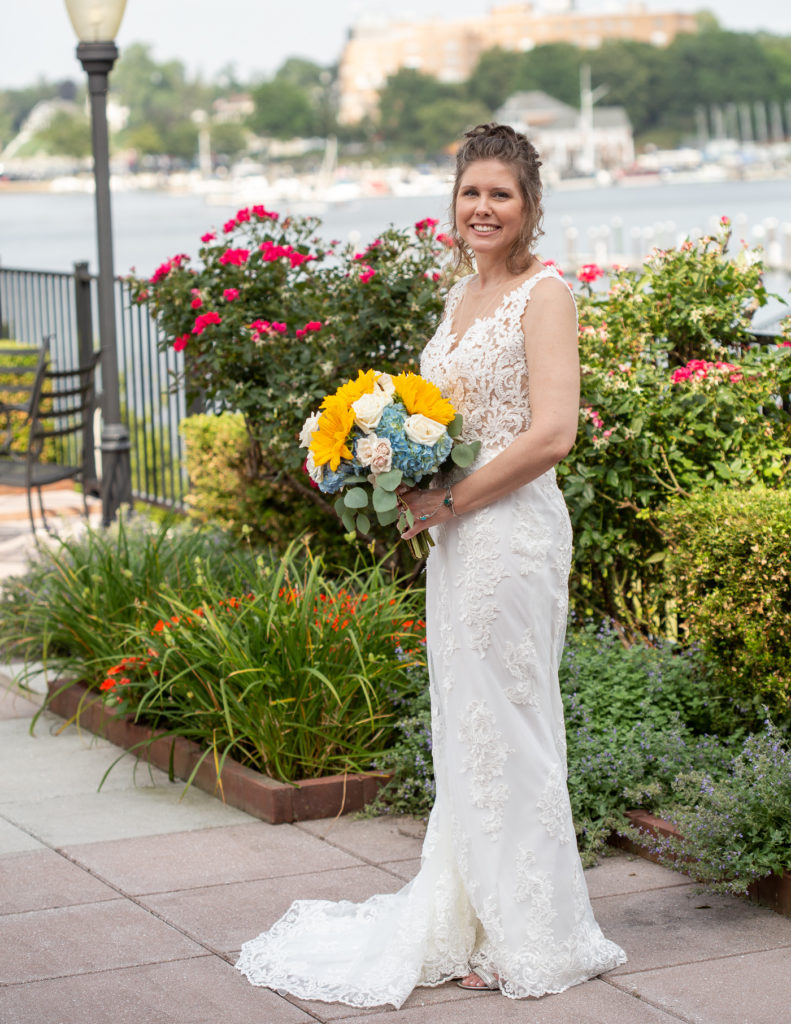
point(463, 455)
point(356, 498)
point(387, 518)
point(363, 523)
point(340, 506)
point(389, 481)
point(348, 521)
point(384, 501)
point(455, 426)
point(658, 556)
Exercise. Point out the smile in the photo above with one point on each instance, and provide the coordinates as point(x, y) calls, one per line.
point(485, 228)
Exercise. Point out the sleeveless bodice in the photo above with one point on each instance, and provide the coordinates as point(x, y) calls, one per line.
point(483, 373)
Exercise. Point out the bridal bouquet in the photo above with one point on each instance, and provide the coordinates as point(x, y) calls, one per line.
point(375, 434)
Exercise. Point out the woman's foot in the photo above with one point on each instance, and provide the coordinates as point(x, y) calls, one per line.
point(480, 980)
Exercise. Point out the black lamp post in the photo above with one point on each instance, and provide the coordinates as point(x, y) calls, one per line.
point(96, 23)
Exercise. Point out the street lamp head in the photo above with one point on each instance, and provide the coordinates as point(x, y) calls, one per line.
point(96, 21)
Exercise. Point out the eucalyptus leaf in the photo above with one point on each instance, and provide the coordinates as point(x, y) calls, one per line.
point(388, 517)
point(363, 523)
point(348, 521)
point(383, 501)
point(340, 506)
point(356, 497)
point(455, 426)
point(390, 480)
point(463, 455)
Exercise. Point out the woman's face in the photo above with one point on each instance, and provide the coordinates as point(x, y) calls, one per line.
point(489, 208)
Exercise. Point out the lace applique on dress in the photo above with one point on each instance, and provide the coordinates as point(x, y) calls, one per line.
point(484, 758)
point(553, 806)
point(482, 571)
point(534, 888)
point(521, 664)
point(532, 539)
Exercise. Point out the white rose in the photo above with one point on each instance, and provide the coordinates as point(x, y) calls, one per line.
point(310, 425)
point(375, 452)
point(316, 473)
point(422, 430)
point(368, 410)
point(385, 382)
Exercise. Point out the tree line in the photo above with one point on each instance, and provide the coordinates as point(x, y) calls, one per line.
point(417, 114)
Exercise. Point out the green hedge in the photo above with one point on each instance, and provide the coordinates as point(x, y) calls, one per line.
point(728, 566)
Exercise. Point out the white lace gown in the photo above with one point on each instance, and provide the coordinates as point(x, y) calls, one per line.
point(500, 883)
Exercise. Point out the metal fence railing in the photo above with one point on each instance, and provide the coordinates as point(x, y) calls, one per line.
point(63, 306)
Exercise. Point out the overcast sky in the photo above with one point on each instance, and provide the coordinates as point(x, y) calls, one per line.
point(257, 35)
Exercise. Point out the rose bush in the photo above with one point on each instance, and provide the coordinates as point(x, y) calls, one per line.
point(676, 399)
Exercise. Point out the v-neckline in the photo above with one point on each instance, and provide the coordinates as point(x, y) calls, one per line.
point(459, 338)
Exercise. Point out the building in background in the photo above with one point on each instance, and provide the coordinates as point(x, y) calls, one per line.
point(449, 50)
point(571, 142)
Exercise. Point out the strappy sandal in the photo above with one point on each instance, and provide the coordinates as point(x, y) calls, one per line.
point(490, 981)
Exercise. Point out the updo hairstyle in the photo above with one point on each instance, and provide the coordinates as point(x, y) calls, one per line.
point(501, 142)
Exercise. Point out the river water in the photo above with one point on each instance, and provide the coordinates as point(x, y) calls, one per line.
point(50, 231)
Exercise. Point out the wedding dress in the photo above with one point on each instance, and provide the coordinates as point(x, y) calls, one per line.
point(500, 884)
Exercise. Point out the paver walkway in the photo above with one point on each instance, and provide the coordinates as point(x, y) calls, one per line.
point(129, 905)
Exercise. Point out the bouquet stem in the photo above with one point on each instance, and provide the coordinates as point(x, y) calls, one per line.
point(420, 545)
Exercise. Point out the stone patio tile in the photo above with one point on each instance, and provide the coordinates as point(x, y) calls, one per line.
point(404, 869)
point(374, 839)
point(623, 873)
point(592, 1003)
point(186, 860)
point(707, 993)
point(62, 765)
point(98, 817)
point(13, 704)
point(203, 990)
point(16, 840)
point(677, 925)
point(225, 916)
point(92, 937)
point(43, 879)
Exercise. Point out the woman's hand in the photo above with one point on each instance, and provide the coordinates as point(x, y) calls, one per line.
point(427, 506)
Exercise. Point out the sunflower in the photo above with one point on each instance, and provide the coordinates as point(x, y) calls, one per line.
point(328, 442)
point(421, 396)
point(354, 389)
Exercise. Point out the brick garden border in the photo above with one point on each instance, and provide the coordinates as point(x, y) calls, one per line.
point(238, 786)
point(773, 892)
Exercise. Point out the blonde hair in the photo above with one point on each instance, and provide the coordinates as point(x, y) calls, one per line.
point(501, 142)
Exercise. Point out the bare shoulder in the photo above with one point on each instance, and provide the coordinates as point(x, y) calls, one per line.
point(550, 291)
point(551, 305)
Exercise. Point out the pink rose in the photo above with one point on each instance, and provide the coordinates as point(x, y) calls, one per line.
point(181, 342)
point(208, 237)
point(236, 257)
point(203, 321)
point(374, 452)
point(229, 294)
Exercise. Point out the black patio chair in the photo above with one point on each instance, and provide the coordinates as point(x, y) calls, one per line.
point(61, 416)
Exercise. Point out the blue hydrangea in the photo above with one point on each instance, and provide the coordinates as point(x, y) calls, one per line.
point(413, 459)
point(334, 479)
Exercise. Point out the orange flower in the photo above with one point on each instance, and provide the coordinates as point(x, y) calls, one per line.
point(421, 396)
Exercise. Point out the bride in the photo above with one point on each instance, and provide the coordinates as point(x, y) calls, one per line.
point(500, 899)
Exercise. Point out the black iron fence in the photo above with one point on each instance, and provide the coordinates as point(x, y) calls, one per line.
point(36, 304)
